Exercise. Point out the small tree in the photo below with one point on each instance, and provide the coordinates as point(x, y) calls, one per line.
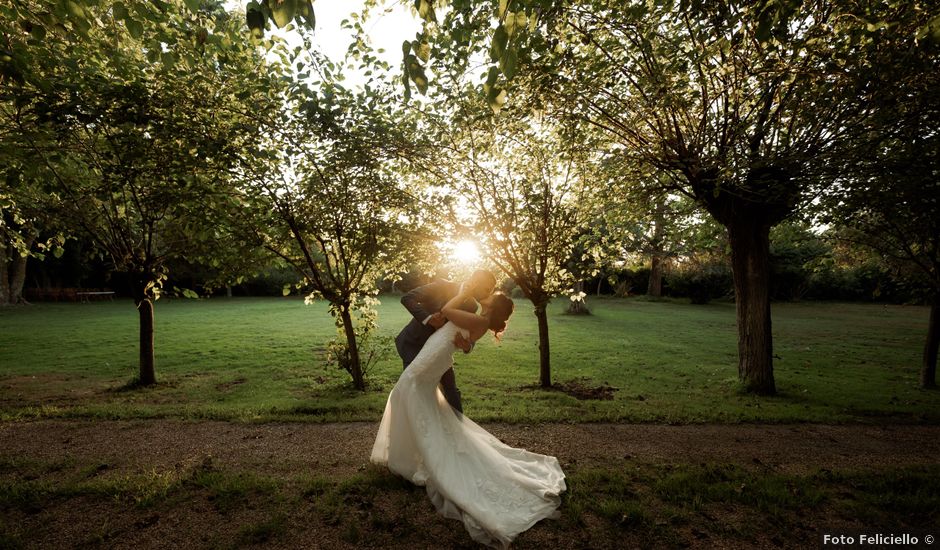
point(525, 190)
point(137, 139)
point(325, 193)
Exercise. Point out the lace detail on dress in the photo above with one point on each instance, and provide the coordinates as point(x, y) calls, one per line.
point(496, 490)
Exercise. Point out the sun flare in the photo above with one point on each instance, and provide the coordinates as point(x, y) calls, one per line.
point(465, 252)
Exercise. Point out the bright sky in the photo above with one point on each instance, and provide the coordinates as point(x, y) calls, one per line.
point(389, 26)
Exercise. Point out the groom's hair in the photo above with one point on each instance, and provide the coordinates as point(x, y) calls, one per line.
point(483, 275)
point(501, 309)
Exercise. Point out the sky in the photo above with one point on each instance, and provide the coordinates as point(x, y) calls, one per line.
point(389, 26)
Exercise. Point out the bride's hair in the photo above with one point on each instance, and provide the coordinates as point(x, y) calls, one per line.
point(501, 309)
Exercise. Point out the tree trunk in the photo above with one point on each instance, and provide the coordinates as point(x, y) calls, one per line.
point(579, 306)
point(4, 275)
point(750, 261)
point(352, 347)
point(147, 373)
point(655, 286)
point(18, 273)
point(545, 371)
point(600, 281)
point(928, 373)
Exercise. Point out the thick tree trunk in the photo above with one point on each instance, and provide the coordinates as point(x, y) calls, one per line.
point(4, 275)
point(545, 370)
point(750, 260)
point(355, 367)
point(928, 373)
point(655, 285)
point(18, 273)
point(147, 373)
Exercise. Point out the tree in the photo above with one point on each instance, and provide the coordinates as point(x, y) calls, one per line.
point(137, 140)
point(26, 227)
point(636, 226)
point(325, 192)
point(525, 190)
point(737, 105)
point(889, 200)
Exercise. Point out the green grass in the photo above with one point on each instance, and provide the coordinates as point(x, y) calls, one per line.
point(626, 503)
point(263, 360)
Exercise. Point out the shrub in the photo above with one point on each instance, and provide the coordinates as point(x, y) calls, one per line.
point(701, 284)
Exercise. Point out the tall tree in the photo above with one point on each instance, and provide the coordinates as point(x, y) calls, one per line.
point(889, 200)
point(739, 104)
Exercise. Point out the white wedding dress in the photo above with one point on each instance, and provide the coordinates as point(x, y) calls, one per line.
point(496, 490)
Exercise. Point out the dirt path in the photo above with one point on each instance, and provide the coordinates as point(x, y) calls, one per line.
point(343, 449)
point(41, 455)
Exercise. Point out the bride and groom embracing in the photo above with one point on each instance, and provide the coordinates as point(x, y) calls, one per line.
point(497, 491)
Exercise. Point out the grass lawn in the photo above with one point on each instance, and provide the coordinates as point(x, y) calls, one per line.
point(629, 504)
point(261, 359)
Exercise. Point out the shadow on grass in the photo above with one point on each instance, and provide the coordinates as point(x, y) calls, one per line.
point(134, 384)
point(579, 388)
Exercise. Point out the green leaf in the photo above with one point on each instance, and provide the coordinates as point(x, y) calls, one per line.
point(765, 21)
point(423, 51)
point(496, 99)
point(507, 63)
point(134, 27)
point(38, 32)
point(491, 76)
point(416, 72)
point(405, 48)
point(305, 9)
point(498, 47)
point(282, 11)
point(193, 5)
point(119, 10)
point(426, 10)
point(75, 9)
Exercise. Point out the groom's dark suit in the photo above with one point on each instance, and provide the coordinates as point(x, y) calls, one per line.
point(423, 302)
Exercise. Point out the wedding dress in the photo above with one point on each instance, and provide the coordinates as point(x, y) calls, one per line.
point(496, 490)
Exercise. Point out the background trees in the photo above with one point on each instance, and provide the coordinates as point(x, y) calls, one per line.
point(124, 120)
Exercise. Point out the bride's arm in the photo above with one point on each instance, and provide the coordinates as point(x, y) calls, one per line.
point(476, 324)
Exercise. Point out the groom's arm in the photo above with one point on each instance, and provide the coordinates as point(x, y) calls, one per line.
point(423, 302)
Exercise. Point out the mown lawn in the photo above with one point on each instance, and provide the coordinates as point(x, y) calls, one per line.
point(261, 359)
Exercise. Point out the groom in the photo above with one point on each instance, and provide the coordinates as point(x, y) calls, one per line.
point(425, 303)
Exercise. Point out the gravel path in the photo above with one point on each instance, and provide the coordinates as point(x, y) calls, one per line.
point(342, 449)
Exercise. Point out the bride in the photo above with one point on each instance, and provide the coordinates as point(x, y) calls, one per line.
point(496, 490)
